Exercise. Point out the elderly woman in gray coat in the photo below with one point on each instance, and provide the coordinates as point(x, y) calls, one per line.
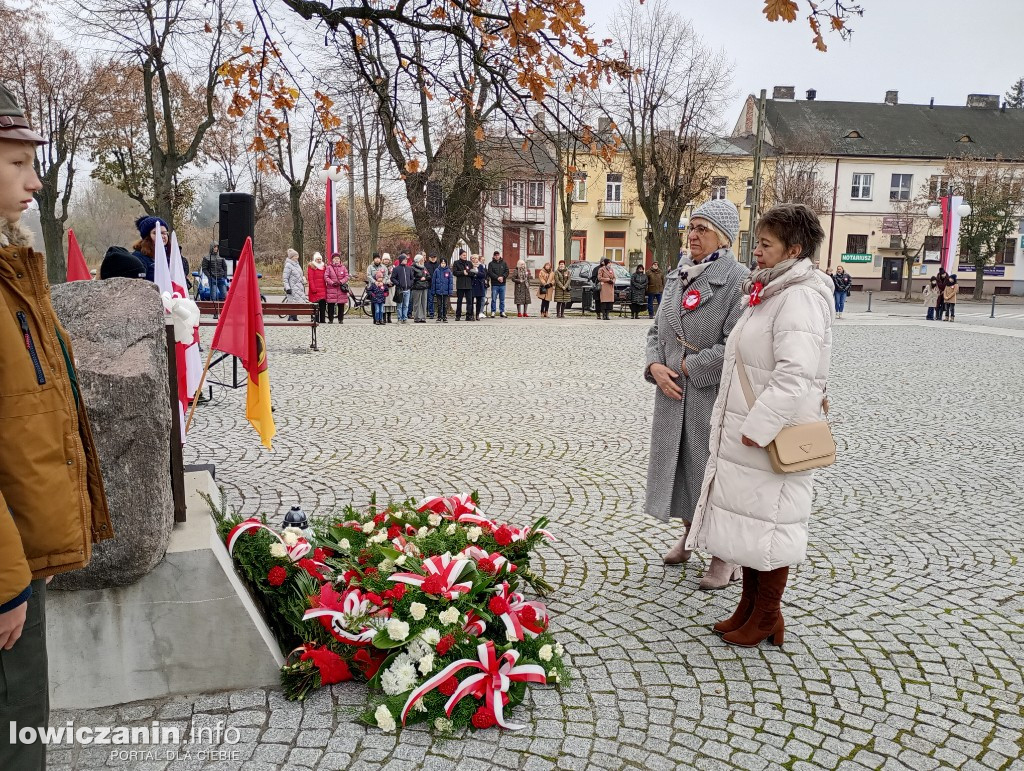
point(685, 351)
point(294, 283)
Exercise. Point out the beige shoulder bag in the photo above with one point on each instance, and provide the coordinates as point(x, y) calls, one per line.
point(795, 448)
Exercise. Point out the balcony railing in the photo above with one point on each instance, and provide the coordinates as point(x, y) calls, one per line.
point(614, 210)
point(521, 214)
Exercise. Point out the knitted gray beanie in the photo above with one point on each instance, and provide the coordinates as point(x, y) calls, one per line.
point(723, 215)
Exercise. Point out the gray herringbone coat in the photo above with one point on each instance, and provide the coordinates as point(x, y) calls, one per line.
point(682, 429)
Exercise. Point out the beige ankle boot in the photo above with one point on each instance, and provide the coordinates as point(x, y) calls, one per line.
point(719, 575)
point(678, 553)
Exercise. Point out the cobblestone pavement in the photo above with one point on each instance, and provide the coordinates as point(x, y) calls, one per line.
point(904, 627)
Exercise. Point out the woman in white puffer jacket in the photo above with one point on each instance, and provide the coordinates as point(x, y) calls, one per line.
point(747, 513)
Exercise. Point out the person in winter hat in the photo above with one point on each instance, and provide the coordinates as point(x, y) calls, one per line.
point(294, 285)
point(702, 298)
point(317, 280)
point(144, 249)
point(336, 278)
point(53, 507)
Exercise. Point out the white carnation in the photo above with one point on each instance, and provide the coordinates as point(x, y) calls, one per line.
point(369, 526)
point(449, 617)
point(444, 725)
point(418, 611)
point(289, 537)
point(344, 544)
point(431, 636)
point(385, 720)
point(450, 530)
point(545, 653)
point(422, 532)
point(418, 649)
point(400, 560)
point(419, 706)
point(296, 530)
point(559, 649)
point(473, 534)
point(278, 550)
point(386, 566)
point(397, 630)
point(426, 664)
point(379, 537)
point(434, 520)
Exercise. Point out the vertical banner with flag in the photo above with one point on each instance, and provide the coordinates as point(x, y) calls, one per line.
point(951, 232)
point(164, 282)
point(331, 218)
point(189, 376)
point(77, 269)
point(240, 333)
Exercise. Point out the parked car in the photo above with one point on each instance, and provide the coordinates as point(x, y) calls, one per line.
point(579, 279)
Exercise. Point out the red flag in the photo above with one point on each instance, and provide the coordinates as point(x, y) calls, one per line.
point(240, 333)
point(77, 269)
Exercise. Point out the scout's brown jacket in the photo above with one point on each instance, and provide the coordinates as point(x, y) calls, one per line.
point(52, 503)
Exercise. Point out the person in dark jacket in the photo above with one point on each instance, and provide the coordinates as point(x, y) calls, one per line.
point(655, 286)
point(118, 262)
point(431, 265)
point(401, 277)
point(442, 284)
point(462, 268)
point(595, 291)
point(842, 281)
point(420, 290)
point(143, 248)
point(497, 274)
point(638, 283)
point(378, 292)
point(215, 268)
point(479, 275)
point(940, 302)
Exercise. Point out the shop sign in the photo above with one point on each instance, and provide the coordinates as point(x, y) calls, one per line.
point(991, 271)
point(857, 258)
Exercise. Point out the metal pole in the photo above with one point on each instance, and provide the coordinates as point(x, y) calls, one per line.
point(869, 301)
point(993, 314)
point(755, 194)
point(351, 195)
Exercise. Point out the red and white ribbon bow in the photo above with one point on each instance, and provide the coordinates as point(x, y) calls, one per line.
point(295, 552)
point(756, 293)
point(492, 681)
point(523, 617)
point(442, 576)
point(475, 625)
point(353, 605)
point(479, 555)
point(456, 507)
point(526, 532)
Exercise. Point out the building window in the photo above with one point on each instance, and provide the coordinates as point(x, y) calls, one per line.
point(749, 199)
point(536, 199)
point(938, 186)
point(499, 196)
point(932, 248)
point(1006, 257)
point(899, 188)
point(896, 242)
point(744, 244)
point(579, 188)
point(856, 244)
point(534, 242)
point(861, 189)
point(613, 188)
point(719, 187)
point(517, 193)
point(615, 245)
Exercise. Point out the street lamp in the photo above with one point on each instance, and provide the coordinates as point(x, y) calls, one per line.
point(935, 211)
point(323, 174)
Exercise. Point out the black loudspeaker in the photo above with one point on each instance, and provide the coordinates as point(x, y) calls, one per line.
point(237, 223)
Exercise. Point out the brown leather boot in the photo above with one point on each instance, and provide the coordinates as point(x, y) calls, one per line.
point(746, 606)
point(678, 553)
point(766, 619)
point(720, 574)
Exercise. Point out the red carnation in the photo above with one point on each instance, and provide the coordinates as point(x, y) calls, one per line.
point(362, 559)
point(484, 718)
point(277, 576)
point(486, 527)
point(448, 687)
point(498, 605)
point(444, 645)
point(398, 591)
point(374, 598)
point(379, 518)
point(486, 565)
point(349, 575)
point(503, 536)
point(528, 614)
point(394, 531)
point(333, 668)
point(320, 553)
point(370, 571)
point(434, 584)
point(362, 656)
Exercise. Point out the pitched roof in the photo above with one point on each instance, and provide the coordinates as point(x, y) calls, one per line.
point(895, 131)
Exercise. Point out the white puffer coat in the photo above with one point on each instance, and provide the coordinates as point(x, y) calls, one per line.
point(747, 514)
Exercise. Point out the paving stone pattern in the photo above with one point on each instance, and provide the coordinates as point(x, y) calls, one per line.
point(904, 627)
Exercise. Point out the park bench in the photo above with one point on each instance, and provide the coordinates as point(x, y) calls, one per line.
point(275, 314)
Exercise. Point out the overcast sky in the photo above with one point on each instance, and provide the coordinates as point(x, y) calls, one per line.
point(922, 48)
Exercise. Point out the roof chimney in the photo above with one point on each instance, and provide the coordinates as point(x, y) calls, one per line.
point(892, 97)
point(784, 93)
point(931, 103)
point(983, 101)
point(812, 94)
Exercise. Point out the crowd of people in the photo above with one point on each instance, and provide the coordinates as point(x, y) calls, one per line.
point(940, 297)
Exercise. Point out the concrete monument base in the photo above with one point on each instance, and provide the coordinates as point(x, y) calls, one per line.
point(188, 626)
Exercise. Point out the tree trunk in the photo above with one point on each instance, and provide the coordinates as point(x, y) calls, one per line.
point(666, 247)
point(53, 231)
point(979, 280)
point(295, 205)
point(908, 263)
point(374, 224)
point(163, 194)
